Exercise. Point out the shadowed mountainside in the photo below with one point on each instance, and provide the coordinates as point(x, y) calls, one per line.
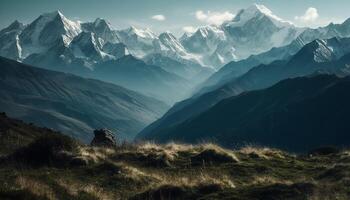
point(295, 114)
point(73, 104)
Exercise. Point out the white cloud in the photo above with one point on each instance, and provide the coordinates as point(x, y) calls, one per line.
point(310, 16)
point(189, 29)
point(216, 18)
point(158, 17)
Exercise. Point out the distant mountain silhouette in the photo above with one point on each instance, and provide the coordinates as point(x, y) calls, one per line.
point(296, 114)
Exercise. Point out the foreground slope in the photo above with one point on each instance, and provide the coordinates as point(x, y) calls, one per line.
point(295, 114)
point(55, 167)
point(72, 104)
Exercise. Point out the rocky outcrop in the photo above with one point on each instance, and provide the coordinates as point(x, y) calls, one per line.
point(104, 137)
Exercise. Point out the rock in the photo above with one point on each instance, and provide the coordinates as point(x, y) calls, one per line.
point(103, 137)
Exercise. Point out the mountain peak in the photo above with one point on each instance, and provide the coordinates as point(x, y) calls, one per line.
point(261, 9)
point(166, 34)
point(15, 25)
point(257, 10)
point(101, 22)
point(85, 38)
point(53, 14)
point(144, 33)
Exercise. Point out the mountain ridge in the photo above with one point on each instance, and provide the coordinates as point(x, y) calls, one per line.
point(259, 77)
point(73, 104)
point(285, 116)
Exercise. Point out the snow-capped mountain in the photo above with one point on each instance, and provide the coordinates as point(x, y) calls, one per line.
point(237, 68)
point(102, 29)
point(138, 41)
point(252, 31)
point(255, 30)
point(87, 45)
point(46, 31)
point(210, 46)
point(322, 51)
point(9, 41)
point(204, 40)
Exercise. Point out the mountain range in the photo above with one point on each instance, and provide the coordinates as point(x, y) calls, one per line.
point(209, 46)
point(328, 56)
point(235, 69)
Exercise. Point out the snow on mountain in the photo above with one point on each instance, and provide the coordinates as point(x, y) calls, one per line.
point(169, 46)
point(168, 42)
point(204, 40)
point(256, 29)
point(102, 29)
point(257, 10)
point(9, 41)
point(47, 30)
point(138, 41)
point(53, 40)
point(327, 50)
point(253, 30)
point(87, 45)
point(117, 50)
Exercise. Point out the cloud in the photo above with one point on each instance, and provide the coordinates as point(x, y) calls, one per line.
point(216, 18)
point(158, 17)
point(189, 29)
point(310, 16)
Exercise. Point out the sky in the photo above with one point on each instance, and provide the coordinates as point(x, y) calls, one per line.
point(175, 16)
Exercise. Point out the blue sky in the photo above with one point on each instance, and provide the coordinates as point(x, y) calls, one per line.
point(173, 15)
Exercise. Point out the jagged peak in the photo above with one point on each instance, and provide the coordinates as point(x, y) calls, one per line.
point(167, 34)
point(15, 25)
point(53, 14)
point(205, 31)
point(257, 10)
point(100, 21)
point(144, 33)
point(86, 37)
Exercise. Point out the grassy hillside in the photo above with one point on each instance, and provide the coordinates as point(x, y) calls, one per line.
point(51, 166)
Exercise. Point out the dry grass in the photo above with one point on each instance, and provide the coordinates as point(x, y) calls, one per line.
point(263, 152)
point(35, 187)
point(74, 188)
point(133, 168)
point(96, 154)
point(218, 150)
point(268, 180)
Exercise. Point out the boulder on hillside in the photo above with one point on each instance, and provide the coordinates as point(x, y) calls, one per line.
point(104, 138)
